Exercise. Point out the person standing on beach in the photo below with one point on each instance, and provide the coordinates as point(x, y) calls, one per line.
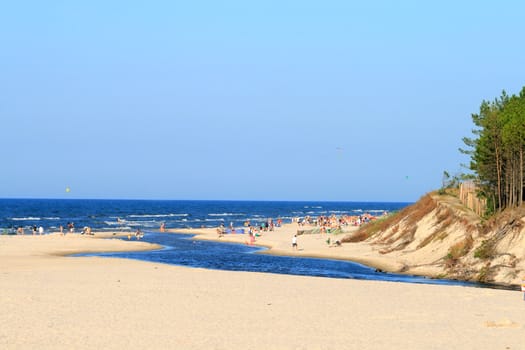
point(294, 242)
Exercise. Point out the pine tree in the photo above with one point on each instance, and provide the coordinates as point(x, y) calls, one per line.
point(497, 151)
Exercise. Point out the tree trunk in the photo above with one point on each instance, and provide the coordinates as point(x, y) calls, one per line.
point(498, 174)
point(521, 177)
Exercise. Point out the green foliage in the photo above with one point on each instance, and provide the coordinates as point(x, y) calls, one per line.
point(448, 181)
point(483, 274)
point(458, 250)
point(497, 150)
point(491, 205)
point(485, 250)
point(446, 178)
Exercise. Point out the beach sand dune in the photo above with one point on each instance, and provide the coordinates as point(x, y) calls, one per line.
point(49, 301)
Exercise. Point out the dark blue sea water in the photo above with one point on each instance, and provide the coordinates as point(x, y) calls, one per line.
point(102, 215)
point(147, 215)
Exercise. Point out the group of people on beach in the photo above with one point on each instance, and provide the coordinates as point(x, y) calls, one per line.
point(20, 230)
point(335, 221)
point(326, 224)
point(268, 225)
point(41, 231)
point(34, 229)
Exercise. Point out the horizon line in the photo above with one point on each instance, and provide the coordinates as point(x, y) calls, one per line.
point(207, 200)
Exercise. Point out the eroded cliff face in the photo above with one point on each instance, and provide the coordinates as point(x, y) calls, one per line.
point(439, 237)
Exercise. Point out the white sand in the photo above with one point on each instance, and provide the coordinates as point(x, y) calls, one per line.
point(49, 301)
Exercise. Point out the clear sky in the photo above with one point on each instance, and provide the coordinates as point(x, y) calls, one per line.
point(256, 100)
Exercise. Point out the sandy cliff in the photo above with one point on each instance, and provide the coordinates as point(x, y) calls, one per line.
point(438, 236)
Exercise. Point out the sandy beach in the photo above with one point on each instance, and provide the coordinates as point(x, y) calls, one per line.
point(50, 301)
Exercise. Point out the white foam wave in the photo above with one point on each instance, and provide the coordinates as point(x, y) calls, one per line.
point(156, 215)
point(141, 222)
point(112, 223)
point(26, 219)
point(226, 214)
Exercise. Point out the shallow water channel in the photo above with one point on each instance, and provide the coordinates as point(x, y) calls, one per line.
point(183, 250)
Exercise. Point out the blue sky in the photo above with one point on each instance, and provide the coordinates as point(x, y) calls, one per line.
point(255, 100)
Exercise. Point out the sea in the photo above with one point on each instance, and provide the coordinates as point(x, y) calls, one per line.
point(181, 249)
point(109, 214)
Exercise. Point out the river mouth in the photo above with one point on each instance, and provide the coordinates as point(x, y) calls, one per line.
point(184, 250)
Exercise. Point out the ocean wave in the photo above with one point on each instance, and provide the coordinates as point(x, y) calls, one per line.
point(52, 218)
point(134, 223)
point(155, 215)
point(29, 218)
point(226, 214)
point(130, 222)
point(112, 223)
